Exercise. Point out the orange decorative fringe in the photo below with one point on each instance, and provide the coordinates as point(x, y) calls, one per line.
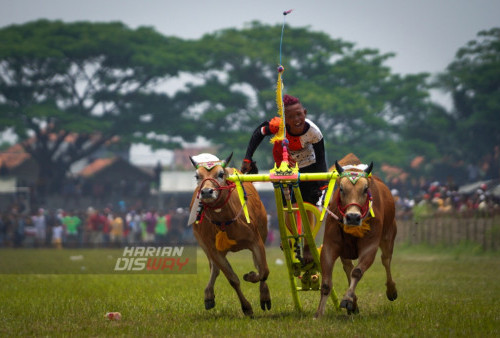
point(222, 242)
point(357, 231)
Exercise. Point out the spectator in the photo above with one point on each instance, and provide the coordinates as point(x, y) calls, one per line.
point(106, 230)
point(117, 229)
point(133, 219)
point(71, 223)
point(150, 220)
point(57, 235)
point(174, 235)
point(20, 225)
point(97, 222)
point(161, 229)
point(40, 223)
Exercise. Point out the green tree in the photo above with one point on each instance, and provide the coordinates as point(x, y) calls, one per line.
point(105, 82)
point(240, 80)
point(473, 80)
point(95, 82)
point(359, 104)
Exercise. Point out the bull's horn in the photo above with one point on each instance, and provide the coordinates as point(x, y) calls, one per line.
point(369, 169)
point(194, 162)
point(339, 169)
point(227, 160)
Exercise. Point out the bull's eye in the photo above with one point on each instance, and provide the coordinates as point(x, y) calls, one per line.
point(341, 188)
point(365, 190)
point(221, 174)
point(197, 177)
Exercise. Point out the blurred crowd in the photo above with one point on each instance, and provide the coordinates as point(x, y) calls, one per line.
point(119, 226)
point(438, 199)
point(93, 228)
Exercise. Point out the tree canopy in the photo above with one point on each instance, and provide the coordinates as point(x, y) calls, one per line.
point(473, 79)
point(350, 93)
point(68, 88)
point(95, 82)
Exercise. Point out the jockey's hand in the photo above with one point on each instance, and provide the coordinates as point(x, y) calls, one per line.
point(246, 166)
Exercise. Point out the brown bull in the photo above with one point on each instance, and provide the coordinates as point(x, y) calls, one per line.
point(353, 231)
point(221, 227)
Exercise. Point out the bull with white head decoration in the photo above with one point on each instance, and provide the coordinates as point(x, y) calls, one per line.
point(362, 219)
point(220, 226)
point(354, 202)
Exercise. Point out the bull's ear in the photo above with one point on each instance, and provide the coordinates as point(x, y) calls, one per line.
point(225, 163)
point(368, 170)
point(339, 169)
point(194, 162)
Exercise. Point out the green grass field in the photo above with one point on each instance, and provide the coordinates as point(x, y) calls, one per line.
point(441, 293)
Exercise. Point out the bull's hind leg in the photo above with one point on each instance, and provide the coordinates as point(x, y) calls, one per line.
point(260, 262)
point(209, 290)
point(387, 246)
point(222, 262)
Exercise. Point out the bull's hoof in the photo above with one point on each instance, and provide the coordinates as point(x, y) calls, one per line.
point(392, 296)
point(265, 304)
point(350, 306)
point(391, 292)
point(209, 304)
point(251, 277)
point(247, 311)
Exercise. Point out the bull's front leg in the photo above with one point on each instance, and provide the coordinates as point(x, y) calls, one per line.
point(350, 300)
point(214, 273)
point(209, 290)
point(223, 264)
point(327, 259)
point(348, 266)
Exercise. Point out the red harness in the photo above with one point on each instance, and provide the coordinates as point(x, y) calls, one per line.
point(363, 208)
point(229, 187)
point(201, 213)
